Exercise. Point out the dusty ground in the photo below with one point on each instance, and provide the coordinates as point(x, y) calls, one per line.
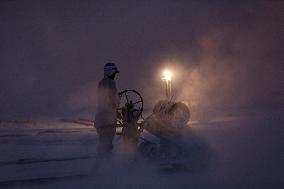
point(246, 153)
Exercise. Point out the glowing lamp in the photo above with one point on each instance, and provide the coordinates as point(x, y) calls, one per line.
point(167, 77)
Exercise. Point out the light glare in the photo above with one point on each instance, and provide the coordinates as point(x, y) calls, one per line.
point(167, 75)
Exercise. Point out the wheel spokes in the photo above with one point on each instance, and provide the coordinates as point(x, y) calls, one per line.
point(126, 97)
point(137, 102)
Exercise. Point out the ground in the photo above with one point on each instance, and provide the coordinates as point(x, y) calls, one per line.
point(247, 152)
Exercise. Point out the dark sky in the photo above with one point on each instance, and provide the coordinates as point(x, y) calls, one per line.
point(225, 54)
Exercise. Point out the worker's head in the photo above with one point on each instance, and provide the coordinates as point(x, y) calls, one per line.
point(110, 70)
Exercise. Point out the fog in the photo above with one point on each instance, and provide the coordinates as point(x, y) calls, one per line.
point(226, 58)
point(239, 154)
point(225, 55)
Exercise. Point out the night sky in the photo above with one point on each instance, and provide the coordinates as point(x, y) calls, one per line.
point(224, 54)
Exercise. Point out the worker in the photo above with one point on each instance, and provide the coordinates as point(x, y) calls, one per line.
point(107, 103)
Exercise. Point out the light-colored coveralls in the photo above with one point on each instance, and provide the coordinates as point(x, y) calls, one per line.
point(105, 119)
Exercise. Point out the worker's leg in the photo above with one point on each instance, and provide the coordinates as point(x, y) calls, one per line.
point(105, 145)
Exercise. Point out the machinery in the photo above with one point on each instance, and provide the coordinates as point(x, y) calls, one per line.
point(167, 122)
point(129, 115)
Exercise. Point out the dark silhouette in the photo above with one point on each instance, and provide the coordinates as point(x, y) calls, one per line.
point(105, 120)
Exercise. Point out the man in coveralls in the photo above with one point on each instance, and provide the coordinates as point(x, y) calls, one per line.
point(107, 102)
